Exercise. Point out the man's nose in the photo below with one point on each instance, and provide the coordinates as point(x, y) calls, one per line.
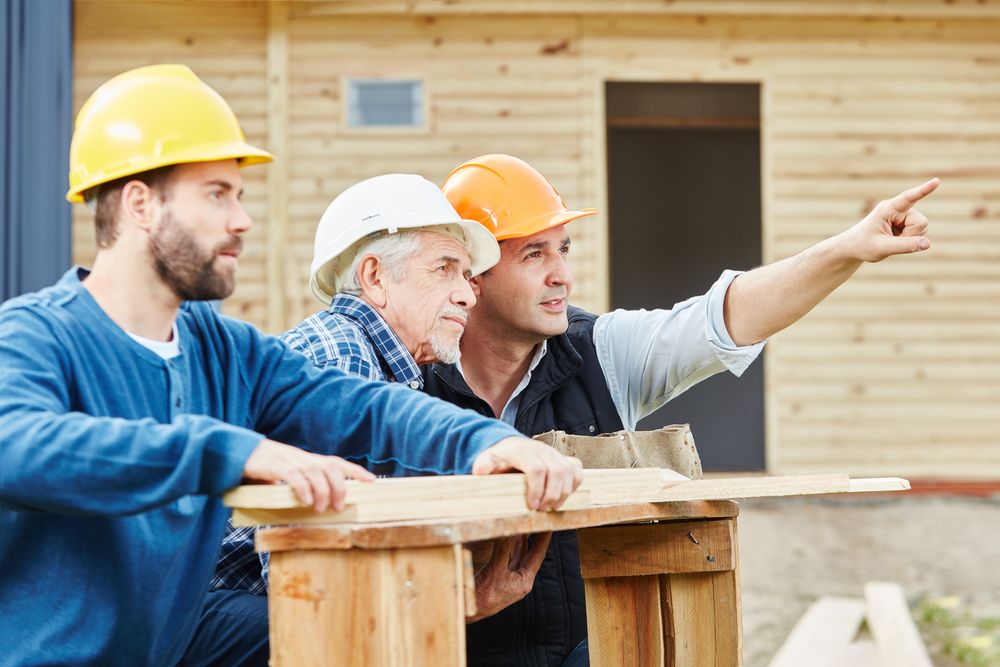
point(560, 273)
point(241, 222)
point(463, 296)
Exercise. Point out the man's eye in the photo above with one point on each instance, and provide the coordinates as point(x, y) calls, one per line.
point(564, 250)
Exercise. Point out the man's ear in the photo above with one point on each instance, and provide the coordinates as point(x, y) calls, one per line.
point(371, 278)
point(138, 204)
point(475, 282)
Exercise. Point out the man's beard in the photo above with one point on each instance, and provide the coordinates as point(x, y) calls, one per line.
point(447, 353)
point(185, 268)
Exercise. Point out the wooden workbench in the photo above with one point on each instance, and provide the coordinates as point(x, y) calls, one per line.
point(386, 582)
point(661, 580)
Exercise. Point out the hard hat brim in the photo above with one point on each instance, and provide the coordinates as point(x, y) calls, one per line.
point(532, 227)
point(484, 253)
point(241, 151)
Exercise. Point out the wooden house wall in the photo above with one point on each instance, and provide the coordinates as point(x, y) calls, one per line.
point(898, 372)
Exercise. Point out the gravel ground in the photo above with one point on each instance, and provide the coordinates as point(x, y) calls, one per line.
point(793, 551)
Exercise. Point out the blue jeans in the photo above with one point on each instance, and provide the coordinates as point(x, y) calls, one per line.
point(232, 631)
point(580, 657)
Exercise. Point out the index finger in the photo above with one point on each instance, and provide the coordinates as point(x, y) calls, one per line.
point(905, 200)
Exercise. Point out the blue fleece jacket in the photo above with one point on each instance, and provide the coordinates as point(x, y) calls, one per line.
point(112, 461)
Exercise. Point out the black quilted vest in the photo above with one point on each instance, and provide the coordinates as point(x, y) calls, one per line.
point(567, 392)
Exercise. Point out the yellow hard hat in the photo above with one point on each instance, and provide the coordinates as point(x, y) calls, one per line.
point(508, 196)
point(152, 117)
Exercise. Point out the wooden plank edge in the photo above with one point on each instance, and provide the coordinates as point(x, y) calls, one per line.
point(828, 625)
point(458, 531)
point(892, 625)
point(415, 510)
point(879, 484)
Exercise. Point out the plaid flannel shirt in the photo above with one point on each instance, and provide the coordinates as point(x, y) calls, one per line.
point(350, 336)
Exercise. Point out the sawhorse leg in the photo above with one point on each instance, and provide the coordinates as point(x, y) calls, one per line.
point(663, 594)
point(389, 607)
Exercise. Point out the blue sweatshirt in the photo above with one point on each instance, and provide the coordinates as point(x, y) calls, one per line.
point(112, 462)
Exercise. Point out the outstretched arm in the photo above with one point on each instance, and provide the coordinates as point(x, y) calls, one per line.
point(762, 302)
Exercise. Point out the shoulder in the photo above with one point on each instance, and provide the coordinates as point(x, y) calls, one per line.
point(327, 337)
point(49, 307)
point(581, 322)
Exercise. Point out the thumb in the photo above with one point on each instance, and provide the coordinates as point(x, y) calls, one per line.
point(901, 245)
point(485, 464)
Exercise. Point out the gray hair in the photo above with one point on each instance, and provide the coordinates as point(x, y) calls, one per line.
point(392, 250)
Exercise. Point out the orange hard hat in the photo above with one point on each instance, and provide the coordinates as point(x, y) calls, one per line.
point(508, 196)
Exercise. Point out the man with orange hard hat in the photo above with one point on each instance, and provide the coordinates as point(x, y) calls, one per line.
point(537, 363)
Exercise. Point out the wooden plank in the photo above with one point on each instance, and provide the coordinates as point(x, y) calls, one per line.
point(437, 532)
point(400, 500)
point(657, 548)
point(793, 8)
point(828, 626)
point(891, 623)
point(608, 486)
point(457, 496)
point(862, 653)
point(605, 487)
point(883, 484)
point(755, 487)
point(469, 579)
point(277, 175)
point(704, 613)
point(394, 608)
point(603, 484)
point(624, 623)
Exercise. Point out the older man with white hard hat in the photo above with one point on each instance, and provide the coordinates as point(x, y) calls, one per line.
point(392, 263)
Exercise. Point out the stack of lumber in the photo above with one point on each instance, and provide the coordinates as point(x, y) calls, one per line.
point(826, 635)
point(464, 496)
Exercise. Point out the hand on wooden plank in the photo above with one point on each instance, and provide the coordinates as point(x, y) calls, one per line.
point(317, 480)
point(893, 227)
point(551, 476)
point(508, 573)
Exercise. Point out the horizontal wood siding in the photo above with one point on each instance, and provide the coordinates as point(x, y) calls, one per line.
point(897, 373)
point(225, 44)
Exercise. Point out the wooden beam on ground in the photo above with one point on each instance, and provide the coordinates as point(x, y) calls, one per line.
point(456, 496)
point(862, 653)
point(822, 634)
point(891, 623)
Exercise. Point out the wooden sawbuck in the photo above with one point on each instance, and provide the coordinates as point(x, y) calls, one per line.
point(387, 581)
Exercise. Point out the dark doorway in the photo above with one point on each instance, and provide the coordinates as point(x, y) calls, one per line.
point(684, 195)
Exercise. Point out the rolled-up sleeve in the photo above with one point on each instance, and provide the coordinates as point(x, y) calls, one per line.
point(652, 356)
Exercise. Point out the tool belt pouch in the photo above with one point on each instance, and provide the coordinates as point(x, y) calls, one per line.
point(668, 447)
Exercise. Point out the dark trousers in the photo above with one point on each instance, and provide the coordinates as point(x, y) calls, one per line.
point(232, 631)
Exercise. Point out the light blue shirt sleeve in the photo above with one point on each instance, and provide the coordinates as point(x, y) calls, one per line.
point(652, 356)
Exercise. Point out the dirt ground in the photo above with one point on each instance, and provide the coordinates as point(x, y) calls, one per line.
point(793, 551)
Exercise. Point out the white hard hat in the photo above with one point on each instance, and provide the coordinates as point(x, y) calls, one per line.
point(389, 203)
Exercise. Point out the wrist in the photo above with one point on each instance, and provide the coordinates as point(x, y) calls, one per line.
point(842, 250)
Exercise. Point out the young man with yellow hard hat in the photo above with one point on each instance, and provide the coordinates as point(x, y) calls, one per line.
point(539, 364)
point(128, 405)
